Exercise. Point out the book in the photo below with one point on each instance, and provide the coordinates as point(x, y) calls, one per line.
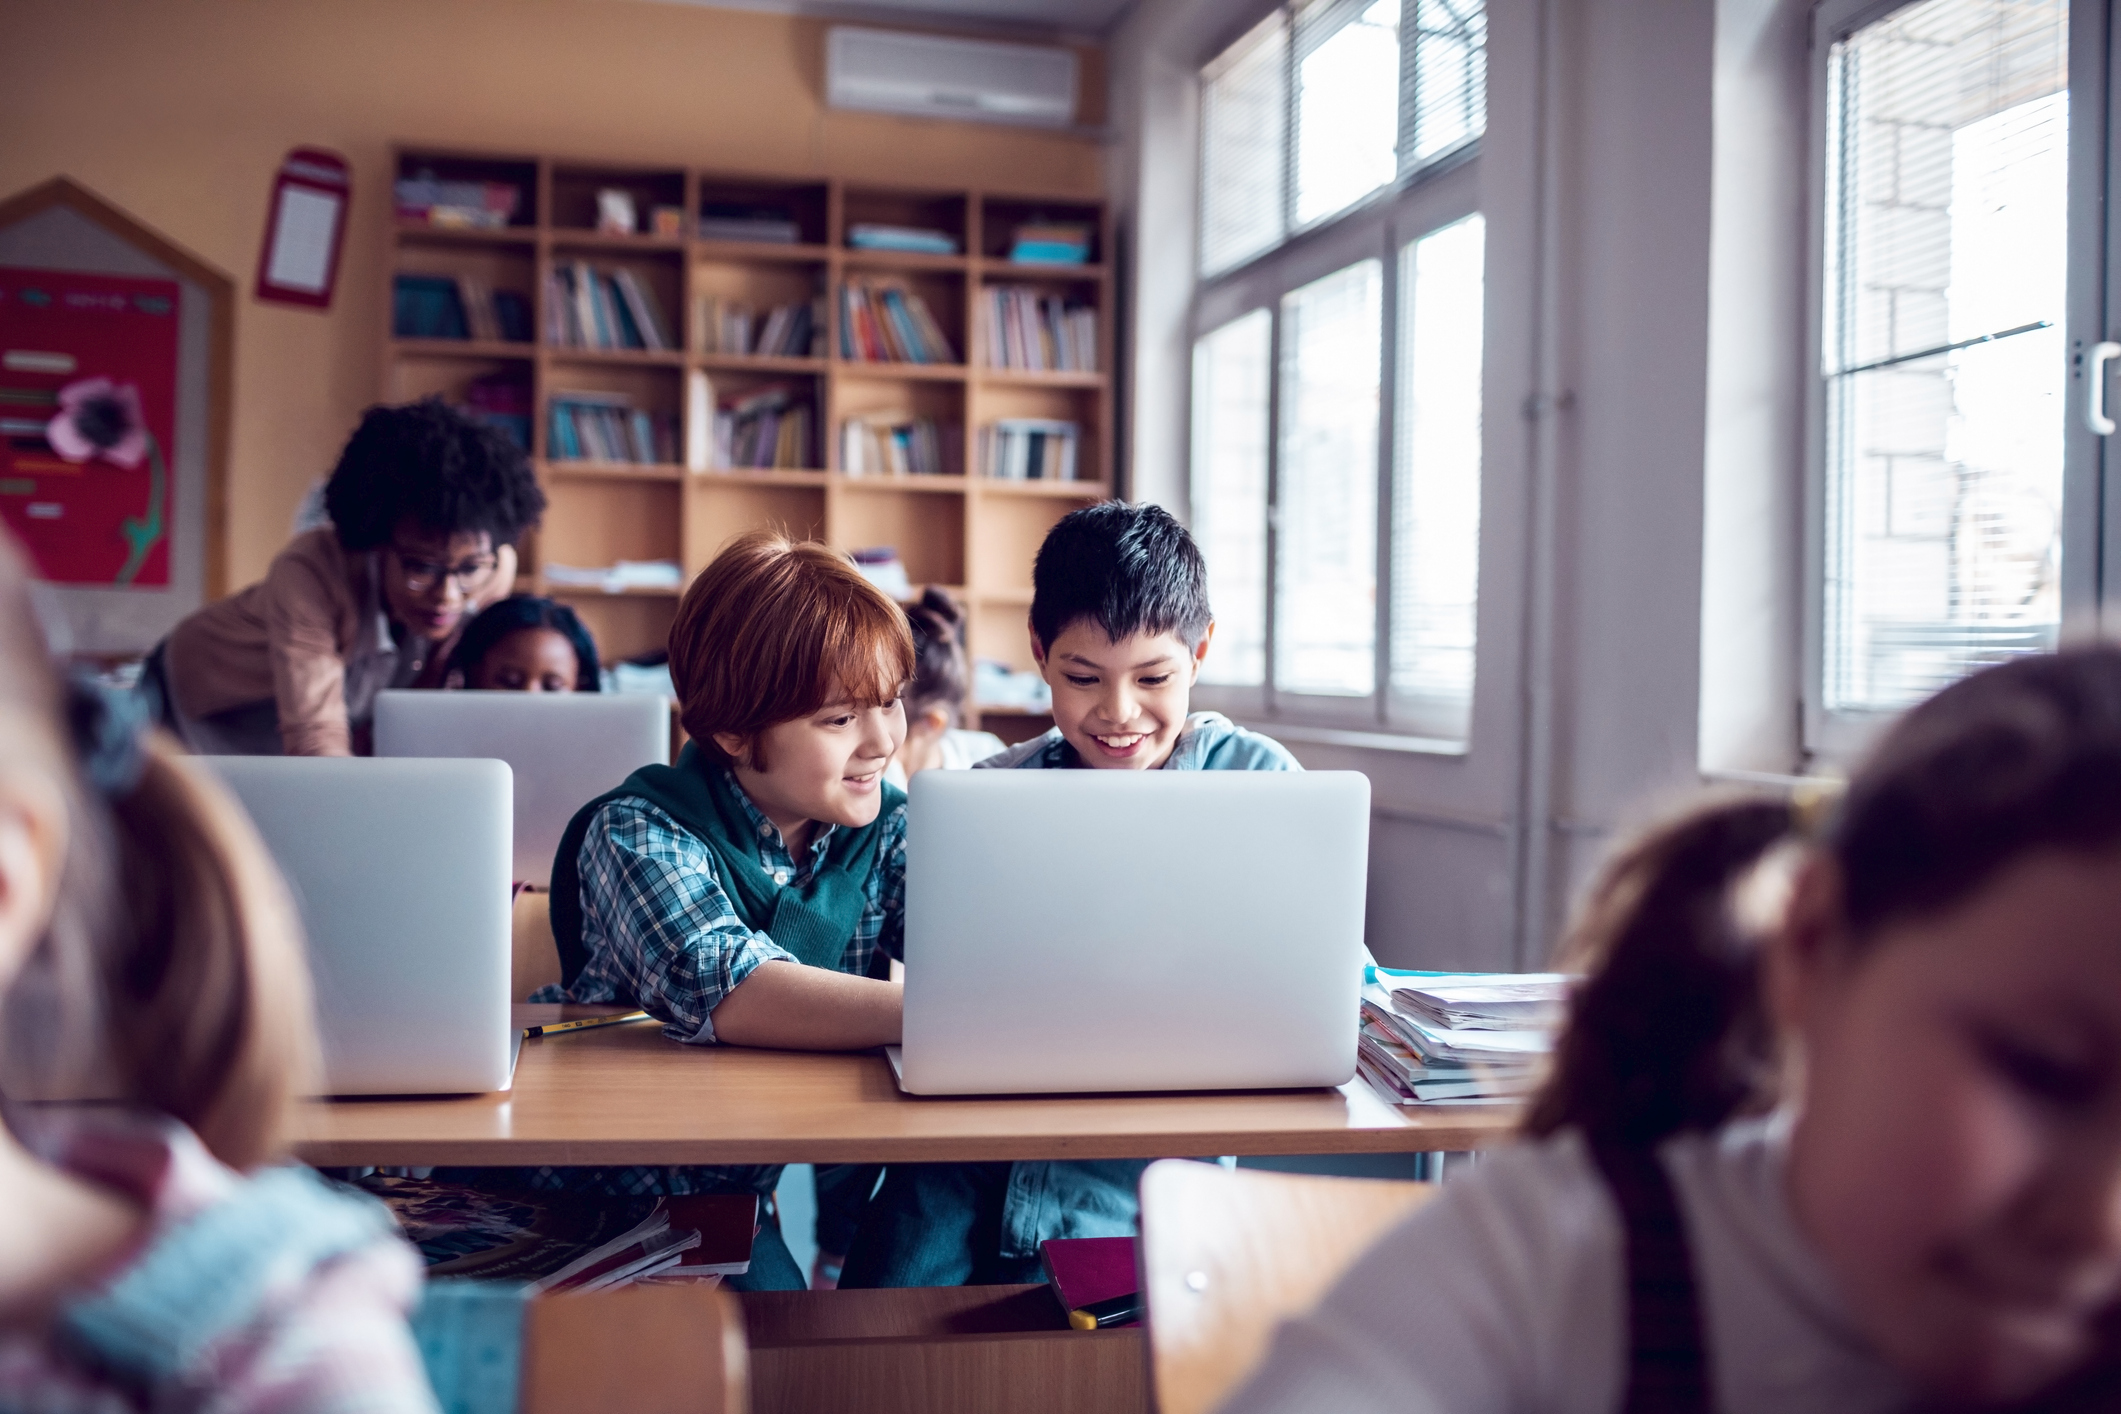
point(765, 429)
point(792, 330)
point(595, 426)
point(566, 1241)
point(1458, 1038)
point(894, 444)
point(427, 307)
point(918, 240)
point(1029, 449)
point(886, 321)
point(1051, 244)
point(1024, 329)
point(504, 400)
point(592, 308)
point(472, 205)
point(1084, 1271)
point(735, 221)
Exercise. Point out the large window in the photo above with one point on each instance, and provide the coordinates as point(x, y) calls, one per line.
point(1337, 365)
point(1944, 372)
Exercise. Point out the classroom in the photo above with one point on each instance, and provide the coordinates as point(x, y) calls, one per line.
point(1553, 561)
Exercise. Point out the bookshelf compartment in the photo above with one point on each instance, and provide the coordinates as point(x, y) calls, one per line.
point(945, 212)
point(1022, 404)
point(739, 200)
point(451, 376)
point(1002, 216)
point(594, 302)
point(862, 303)
point(624, 625)
point(575, 200)
point(720, 287)
point(594, 525)
point(653, 390)
point(928, 531)
point(454, 170)
point(876, 400)
point(1001, 629)
point(752, 407)
point(717, 511)
point(1011, 530)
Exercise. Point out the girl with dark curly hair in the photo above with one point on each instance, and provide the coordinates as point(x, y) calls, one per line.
point(426, 505)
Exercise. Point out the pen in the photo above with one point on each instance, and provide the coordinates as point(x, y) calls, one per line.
point(583, 1023)
point(1112, 1311)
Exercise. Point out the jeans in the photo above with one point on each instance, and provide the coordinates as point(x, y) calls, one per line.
point(981, 1224)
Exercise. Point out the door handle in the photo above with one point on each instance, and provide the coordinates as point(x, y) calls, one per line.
point(2095, 396)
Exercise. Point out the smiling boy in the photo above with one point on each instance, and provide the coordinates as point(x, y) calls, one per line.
point(1120, 624)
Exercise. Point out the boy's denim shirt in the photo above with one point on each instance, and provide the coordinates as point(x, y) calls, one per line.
point(1209, 742)
point(1061, 1198)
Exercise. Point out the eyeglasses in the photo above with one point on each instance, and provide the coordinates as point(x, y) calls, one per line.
point(422, 575)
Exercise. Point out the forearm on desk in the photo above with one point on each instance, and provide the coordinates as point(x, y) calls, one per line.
point(788, 1006)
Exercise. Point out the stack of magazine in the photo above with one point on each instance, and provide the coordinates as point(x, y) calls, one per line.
point(1459, 1038)
point(569, 1242)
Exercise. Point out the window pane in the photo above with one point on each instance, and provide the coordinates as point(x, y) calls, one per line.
point(1326, 553)
point(1230, 492)
point(1347, 117)
point(1244, 121)
point(1948, 125)
point(1436, 486)
point(1447, 79)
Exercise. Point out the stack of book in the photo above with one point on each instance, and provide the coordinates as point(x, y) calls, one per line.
point(787, 331)
point(619, 577)
point(1051, 244)
point(913, 240)
point(607, 427)
point(1042, 333)
point(885, 322)
point(767, 429)
point(1029, 449)
point(588, 308)
point(892, 444)
point(734, 221)
point(1468, 1038)
point(483, 206)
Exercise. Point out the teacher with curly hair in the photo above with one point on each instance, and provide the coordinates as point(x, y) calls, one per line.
point(426, 505)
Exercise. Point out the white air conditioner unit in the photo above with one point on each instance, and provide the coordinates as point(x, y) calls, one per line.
point(886, 71)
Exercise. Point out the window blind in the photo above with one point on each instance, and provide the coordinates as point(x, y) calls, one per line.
point(1445, 103)
point(1943, 362)
point(1244, 125)
point(1230, 388)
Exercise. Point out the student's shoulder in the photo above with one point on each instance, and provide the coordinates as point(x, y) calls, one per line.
point(1212, 742)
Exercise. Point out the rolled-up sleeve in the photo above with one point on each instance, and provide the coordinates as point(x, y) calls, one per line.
point(308, 660)
point(661, 931)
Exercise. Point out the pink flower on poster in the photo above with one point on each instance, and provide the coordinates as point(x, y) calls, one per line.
point(99, 418)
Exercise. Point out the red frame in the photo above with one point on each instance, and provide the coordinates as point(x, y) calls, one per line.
point(310, 168)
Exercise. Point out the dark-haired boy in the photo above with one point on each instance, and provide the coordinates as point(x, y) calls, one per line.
point(1120, 624)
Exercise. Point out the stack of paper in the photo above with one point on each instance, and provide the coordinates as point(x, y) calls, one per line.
point(1459, 1037)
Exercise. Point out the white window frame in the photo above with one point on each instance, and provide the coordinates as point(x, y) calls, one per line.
point(1379, 227)
point(1837, 737)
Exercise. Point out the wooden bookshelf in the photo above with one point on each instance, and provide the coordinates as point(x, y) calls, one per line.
point(972, 533)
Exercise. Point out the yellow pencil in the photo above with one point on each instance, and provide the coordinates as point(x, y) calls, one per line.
point(584, 1023)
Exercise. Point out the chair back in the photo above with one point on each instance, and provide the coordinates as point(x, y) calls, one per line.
point(535, 960)
point(659, 1348)
point(1228, 1253)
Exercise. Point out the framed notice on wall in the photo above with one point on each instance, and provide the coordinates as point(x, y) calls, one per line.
point(88, 394)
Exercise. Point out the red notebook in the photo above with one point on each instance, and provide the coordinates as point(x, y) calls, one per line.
point(1086, 1269)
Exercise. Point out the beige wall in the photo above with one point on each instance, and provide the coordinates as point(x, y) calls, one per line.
point(180, 110)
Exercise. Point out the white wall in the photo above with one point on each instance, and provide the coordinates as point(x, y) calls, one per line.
point(1599, 177)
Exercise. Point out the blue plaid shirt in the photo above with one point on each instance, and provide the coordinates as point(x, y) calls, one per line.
point(662, 934)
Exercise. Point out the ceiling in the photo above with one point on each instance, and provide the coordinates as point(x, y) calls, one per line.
point(1071, 17)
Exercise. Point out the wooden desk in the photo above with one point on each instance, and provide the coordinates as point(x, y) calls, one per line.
point(627, 1095)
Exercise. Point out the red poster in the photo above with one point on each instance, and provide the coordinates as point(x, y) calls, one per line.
point(88, 407)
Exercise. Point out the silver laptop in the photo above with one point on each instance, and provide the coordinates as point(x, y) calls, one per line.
point(1099, 931)
point(566, 748)
point(401, 871)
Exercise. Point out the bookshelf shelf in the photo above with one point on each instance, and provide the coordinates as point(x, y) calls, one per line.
point(1084, 491)
point(758, 363)
point(421, 233)
point(1029, 378)
point(610, 471)
point(973, 534)
point(890, 368)
point(463, 348)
